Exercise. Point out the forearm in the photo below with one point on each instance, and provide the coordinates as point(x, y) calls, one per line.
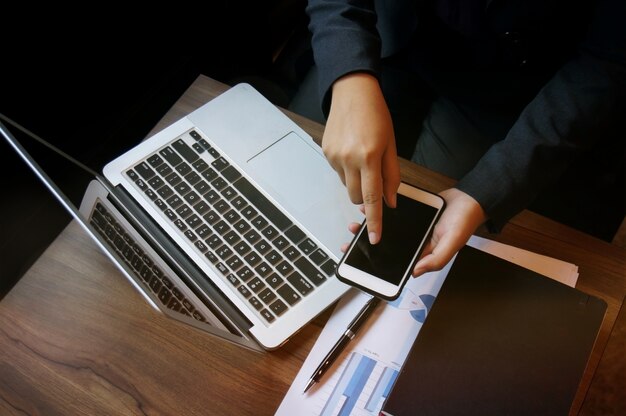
point(561, 122)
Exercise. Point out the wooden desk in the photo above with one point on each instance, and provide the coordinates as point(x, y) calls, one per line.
point(76, 338)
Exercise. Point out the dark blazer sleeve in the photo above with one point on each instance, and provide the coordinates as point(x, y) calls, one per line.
point(344, 40)
point(563, 120)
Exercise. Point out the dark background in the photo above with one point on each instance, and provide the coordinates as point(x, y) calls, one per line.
point(98, 104)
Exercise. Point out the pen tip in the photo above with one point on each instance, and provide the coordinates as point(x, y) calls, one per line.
point(309, 385)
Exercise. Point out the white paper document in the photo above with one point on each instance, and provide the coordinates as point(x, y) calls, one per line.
point(360, 380)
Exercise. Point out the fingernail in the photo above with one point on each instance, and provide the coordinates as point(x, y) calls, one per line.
point(372, 236)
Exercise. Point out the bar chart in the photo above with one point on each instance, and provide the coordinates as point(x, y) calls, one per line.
point(363, 384)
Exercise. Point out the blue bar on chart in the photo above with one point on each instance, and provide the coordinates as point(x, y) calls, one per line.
point(382, 389)
point(350, 385)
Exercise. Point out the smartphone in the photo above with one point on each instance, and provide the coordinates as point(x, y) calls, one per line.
point(383, 269)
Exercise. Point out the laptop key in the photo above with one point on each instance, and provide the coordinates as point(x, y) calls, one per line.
point(267, 315)
point(300, 283)
point(295, 234)
point(164, 169)
point(202, 187)
point(192, 178)
point(174, 201)
point(196, 136)
point(273, 257)
point(171, 156)
point(185, 151)
point(244, 291)
point(242, 248)
point(204, 231)
point(318, 256)
point(291, 253)
point(220, 164)
point(144, 170)
point(263, 269)
point(201, 246)
point(224, 252)
point(262, 247)
point(256, 285)
point(222, 268)
point(155, 160)
point(132, 175)
point(202, 207)
point(200, 165)
point(141, 184)
point(231, 174)
point(287, 293)
point(192, 198)
point(241, 226)
point(278, 307)
point(156, 182)
point(307, 246)
point(209, 174)
point(329, 267)
point(173, 179)
point(160, 204)
point(191, 235)
point(214, 241)
point(310, 271)
point(228, 193)
point(198, 148)
point(219, 183)
point(183, 169)
point(234, 263)
point(221, 206)
point(232, 279)
point(211, 256)
point(274, 280)
point(248, 212)
point(239, 203)
point(213, 152)
point(284, 268)
point(204, 144)
point(184, 211)
point(245, 273)
point(281, 242)
point(267, 296)
point(180, 224)
point(256, 304)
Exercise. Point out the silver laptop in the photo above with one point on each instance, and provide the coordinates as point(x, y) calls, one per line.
point(229, 220)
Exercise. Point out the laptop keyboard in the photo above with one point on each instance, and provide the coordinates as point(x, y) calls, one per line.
point(266, 259)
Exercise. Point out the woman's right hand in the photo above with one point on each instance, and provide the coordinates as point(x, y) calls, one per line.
point(359, 144)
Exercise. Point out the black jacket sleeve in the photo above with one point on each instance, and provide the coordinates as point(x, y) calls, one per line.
point(562, 121)
point(344, 40)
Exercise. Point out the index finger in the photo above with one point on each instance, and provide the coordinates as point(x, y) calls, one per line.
point(372, 190)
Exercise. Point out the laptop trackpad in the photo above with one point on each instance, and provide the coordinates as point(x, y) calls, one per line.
point(298, 174)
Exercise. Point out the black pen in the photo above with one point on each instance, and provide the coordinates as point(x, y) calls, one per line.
point(347, 336)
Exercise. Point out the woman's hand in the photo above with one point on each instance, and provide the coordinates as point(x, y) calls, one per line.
point(359, 144)
point(459, 220)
